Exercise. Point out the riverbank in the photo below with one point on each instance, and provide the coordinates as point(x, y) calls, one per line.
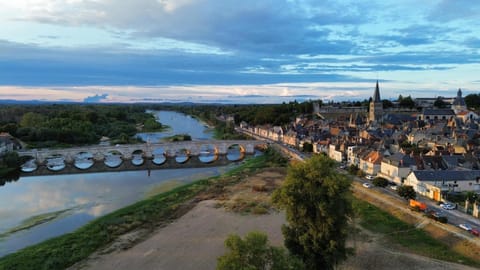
point(196, 240)
point(62, 252)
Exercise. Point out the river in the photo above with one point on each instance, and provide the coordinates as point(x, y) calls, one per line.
point(36, 208)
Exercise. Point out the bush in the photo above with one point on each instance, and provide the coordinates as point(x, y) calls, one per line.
point(380, 182)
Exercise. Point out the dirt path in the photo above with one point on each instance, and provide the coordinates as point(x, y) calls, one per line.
point(192, 242)
point(195, 240)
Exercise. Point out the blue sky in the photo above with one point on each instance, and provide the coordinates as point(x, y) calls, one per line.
point(250, 51)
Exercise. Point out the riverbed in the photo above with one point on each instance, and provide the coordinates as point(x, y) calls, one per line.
point(34, 209)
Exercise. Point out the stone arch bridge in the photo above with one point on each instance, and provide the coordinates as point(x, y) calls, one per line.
point(170, 149)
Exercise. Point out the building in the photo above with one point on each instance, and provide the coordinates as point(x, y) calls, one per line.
point(436, 114)
point(459, 104)
point(375, 113)
point(396, 167)
point(7, 143)
point(370, 163)
point(433, 184)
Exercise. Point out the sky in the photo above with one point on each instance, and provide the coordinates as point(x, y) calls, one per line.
point(230, 51)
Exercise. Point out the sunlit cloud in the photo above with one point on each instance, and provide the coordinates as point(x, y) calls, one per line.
point(208, 49)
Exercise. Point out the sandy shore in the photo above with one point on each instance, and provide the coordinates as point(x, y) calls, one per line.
point(196, 240)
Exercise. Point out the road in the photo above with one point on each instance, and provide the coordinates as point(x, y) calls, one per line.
point(455, 217)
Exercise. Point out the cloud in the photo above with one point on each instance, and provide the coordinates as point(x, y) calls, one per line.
point(451, 10)
point(256, 26)
point(95, 99)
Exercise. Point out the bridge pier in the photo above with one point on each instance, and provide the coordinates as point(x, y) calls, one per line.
point(99, 166)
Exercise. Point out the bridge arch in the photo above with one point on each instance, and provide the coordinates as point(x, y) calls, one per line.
point(83, 160)
point(159, 156)
point(207, 153)
point(235, 152)
point(138, 157)
point(29, 164)
point(55, 162)
point(182, 155)
point(113, 158)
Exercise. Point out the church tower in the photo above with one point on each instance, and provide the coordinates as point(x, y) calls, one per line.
point(458, 104)
point(375, 113)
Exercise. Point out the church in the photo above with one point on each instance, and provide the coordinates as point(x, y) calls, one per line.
point(375, 113)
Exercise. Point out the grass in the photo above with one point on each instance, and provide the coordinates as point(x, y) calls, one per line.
point(405, 235)
point(34, 221)
point(63, 251)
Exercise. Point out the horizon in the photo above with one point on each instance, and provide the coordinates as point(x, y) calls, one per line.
point(205, 51)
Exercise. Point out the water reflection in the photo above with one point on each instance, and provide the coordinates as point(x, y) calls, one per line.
point(29, 166)
point(55, 163)
point(182, 156)
point(85, 196)
point(159, 156)
point(180, 124)
point(235, 153)
point(208, 153)
point(83, 160)
point(113, 159)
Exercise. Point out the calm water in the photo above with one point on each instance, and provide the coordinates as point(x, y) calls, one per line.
point(73, 200)
point(180, 124)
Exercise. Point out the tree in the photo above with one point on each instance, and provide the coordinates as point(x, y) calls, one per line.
point(406, 192)
point(406, 102)
point(307, 147)
point(317, 203)
point(439, 103)
point(254, 253)
point(387, 104)
point(472, 101)
point(380, 182)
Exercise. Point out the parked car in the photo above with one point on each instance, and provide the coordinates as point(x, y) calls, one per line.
point(393, 187)
point(475, 231)
point(370, 177)
point(448, 206)
point(367, 185)
point(465, 226)
point(438, 216)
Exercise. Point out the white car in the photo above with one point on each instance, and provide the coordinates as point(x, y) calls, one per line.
point(393, 187)
point(448, 206)
point(465, 226)
point(370, 177)
point(367, 185)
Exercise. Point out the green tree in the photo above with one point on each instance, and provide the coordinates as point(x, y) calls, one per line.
point(31, 119)
point(439, 103)
point(317, 201)
point(380, 182)
point(406, 102)
point(254, 253)
point(472, 101)
point(307, 147)
point(406, 192)
point(387, 104)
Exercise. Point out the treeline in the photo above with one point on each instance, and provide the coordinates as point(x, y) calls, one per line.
point(254, 114)
point(473, 101)
point(74, 124)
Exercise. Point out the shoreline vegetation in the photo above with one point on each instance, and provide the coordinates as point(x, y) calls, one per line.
point(406, 236)
point(35, 221)
point(159, 210)
point(66, 250)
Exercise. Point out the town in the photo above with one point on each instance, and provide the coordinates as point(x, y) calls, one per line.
point(432, 148)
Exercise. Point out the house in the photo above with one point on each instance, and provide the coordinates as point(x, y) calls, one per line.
point(7, 143)
point(371, 162)
point(436, 114)
point(434, 184)
point(335, 153)
point(396, 167)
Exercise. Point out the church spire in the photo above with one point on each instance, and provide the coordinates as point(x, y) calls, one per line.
point(376, 95)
